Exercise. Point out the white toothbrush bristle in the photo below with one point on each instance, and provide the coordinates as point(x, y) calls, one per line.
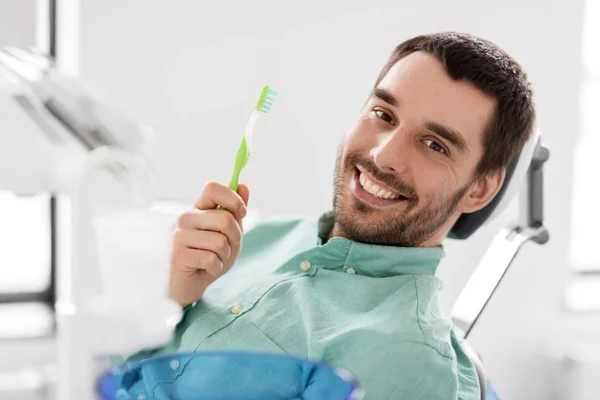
point(266, 100)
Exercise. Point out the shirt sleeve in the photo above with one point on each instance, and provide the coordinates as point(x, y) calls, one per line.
point(405, 370)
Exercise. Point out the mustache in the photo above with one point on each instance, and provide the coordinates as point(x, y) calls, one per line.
point(393, 181)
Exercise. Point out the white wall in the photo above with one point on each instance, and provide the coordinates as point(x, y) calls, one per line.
point(17, 18)
point(193, 69)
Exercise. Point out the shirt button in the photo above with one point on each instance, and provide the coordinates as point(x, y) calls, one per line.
point(236, 309)
point(122, 394)
point(174, 364)
point(351, 271)
point(305, 265)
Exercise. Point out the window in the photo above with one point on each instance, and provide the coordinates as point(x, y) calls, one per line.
point(26, 258)
point(582, 293)
point(25, 240)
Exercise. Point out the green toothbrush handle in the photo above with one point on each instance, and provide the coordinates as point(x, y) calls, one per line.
point(241, 158)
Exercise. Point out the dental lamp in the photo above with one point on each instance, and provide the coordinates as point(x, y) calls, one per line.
point(58, 138)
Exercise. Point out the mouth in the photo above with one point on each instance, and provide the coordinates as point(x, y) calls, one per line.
point(373, 192)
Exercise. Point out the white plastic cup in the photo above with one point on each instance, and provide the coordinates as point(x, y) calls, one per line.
point(133, 252)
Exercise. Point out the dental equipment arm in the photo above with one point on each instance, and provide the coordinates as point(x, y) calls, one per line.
point(51, 123)
point(57, 138)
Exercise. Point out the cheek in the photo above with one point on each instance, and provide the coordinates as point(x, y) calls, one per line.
point(432, 180)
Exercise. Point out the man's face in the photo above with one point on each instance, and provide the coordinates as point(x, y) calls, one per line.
point(404, 173)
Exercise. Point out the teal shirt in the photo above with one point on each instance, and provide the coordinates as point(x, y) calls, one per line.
point(373, 310)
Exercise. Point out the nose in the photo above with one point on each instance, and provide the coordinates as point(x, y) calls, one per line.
point(391, 153)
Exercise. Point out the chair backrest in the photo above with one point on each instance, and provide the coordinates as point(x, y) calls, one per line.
point(467, 224)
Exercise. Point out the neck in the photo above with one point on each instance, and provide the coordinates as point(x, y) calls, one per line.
point(335, 232)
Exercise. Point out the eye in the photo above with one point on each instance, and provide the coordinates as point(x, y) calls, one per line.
point(435, 146)
point(384, 116)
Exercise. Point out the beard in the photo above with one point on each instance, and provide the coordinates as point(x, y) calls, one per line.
point(408, 226)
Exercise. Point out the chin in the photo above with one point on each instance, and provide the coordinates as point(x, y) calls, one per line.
point(400, 223)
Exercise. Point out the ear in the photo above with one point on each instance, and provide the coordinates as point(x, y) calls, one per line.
point(482, 191)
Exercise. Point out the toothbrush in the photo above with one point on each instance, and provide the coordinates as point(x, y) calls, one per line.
point(263, 105)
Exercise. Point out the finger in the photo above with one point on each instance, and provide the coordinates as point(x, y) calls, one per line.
point(201, 260)
point(213, 220)
point(244, 193)
point(204, 240)
point(214, 194)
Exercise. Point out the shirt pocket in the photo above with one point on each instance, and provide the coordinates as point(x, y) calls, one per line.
point(240, 336)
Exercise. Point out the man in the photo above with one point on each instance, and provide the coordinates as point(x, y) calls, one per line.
point(357, 289)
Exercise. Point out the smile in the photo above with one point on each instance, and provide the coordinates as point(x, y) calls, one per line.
point(375, 189)
point(373, 192)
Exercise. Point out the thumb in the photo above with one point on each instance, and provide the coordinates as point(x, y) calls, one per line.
point(244, 193)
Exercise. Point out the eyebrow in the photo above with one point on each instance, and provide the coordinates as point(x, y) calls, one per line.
point(386, 96)
point(454, 137)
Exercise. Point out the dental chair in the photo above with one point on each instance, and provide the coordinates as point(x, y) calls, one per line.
point(524, 174)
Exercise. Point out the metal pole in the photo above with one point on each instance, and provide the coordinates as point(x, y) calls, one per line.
point(52, 29)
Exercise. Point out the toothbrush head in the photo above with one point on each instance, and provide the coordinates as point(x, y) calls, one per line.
point(266, 99)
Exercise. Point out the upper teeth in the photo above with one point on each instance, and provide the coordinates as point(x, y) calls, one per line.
point(375, 190)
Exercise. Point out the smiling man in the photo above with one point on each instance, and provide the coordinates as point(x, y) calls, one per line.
point(357, 287)
point(414, 161)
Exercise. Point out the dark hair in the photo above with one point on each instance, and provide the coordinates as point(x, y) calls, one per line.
point(491, 70)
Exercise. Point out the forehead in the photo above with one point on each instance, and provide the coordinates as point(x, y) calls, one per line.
point(427, 93)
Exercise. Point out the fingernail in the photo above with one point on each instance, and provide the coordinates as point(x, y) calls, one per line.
point(243, 211)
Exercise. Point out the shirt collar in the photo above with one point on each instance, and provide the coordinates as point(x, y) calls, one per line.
point(374, 260)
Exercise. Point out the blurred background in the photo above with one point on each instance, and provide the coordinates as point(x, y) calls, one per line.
point(192, 69)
